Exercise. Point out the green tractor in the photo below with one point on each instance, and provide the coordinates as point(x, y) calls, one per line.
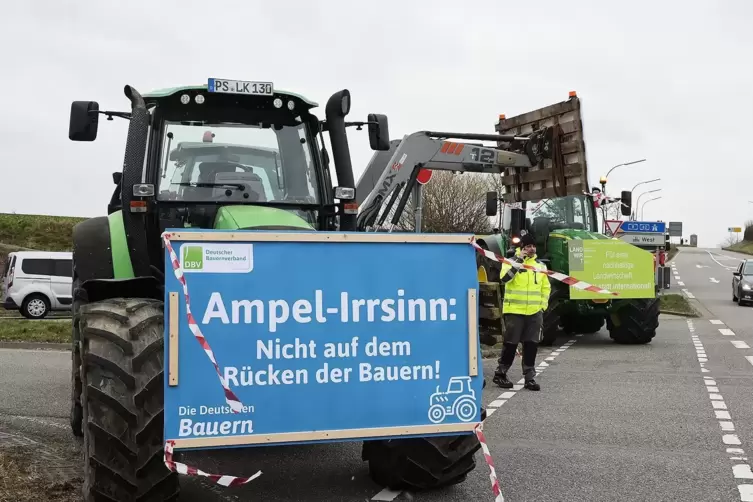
point(560, 227)
point(552, 201)
point(226, 155)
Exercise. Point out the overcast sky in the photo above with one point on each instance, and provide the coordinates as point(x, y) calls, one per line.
point(668, 81)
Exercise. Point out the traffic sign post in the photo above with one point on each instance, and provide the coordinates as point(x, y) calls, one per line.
point(643, 239)
point(644, 227)
point(735, 230)
point(613, 226)
point(675, 229)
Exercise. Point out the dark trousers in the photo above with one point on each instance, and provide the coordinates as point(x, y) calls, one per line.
point(525, 329)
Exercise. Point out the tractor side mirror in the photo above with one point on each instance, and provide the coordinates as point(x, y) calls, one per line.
point(117, 177)
point(379, 133)
point(84, 121)
point(626, 208)
point(491, 203)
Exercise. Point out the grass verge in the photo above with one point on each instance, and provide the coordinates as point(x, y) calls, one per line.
point(44, 331)
point(22, 482)
point(676, 304)
point(741, 247)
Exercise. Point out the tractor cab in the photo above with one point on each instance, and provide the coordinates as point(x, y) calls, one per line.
point(230, 155)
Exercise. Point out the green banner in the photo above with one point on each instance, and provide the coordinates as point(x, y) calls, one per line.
point(613, 265)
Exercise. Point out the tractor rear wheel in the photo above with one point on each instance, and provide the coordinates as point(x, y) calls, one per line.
point(585, 324)
point(421, 463)
point(634, 322)
point(123, 406)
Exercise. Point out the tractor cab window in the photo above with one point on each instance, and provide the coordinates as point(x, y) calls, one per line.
point(572, 211)
point(238, 163)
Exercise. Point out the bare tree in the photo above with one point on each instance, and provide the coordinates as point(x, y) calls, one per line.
point(451, 203)
point(730, 240)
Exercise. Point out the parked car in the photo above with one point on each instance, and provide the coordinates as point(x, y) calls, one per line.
point(37, 282)
point(742, 282)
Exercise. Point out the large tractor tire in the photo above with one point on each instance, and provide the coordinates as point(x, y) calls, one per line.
point(77, 412)
point(634, 322)
point(585, 324)
point(553, 316)
point(123, 406)
point(488, 270)
point(418, 464)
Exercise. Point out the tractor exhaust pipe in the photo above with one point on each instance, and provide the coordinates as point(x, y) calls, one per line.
point(133, 164)
point(336, 110)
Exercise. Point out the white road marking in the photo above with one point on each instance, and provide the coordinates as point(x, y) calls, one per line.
point(739, 344)
point(726, 332)
point(677, 278)
point(750, 359)
point(716, 321)
point(701, 266)
point(742, 471)
point(739, 470)
point(505, 396)
point(680, 283)
point(746, 493)
point(716, 281)
point(688, 293)
point(727, 426)
point(386, 495)
point(721, 264)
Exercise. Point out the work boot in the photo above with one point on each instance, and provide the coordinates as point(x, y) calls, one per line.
point(501, 380)
point(532, 385)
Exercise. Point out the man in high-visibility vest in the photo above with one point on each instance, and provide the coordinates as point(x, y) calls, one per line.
point(526, 299)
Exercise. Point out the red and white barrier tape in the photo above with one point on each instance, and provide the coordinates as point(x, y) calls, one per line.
point(570, 281)
point(230, 397)
point(479, 430)
point(219, 479)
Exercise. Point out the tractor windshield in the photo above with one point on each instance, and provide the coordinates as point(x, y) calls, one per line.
point(573, 211)
point(236, 162)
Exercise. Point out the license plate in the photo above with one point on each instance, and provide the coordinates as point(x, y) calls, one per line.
point(240, 87)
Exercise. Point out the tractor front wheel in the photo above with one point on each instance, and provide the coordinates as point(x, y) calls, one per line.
point(635, 321)
point(418, 464)
point(122, 367)
point(585, 324)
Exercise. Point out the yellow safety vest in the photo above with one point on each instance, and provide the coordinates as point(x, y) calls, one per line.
point(526, 292)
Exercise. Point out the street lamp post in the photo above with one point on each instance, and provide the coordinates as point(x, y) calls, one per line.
point(603, 179)
point(637, 203)
point(644, 204)
point(644, 183)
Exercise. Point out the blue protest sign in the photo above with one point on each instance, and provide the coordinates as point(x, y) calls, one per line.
point(644, 227)
point(321, 336)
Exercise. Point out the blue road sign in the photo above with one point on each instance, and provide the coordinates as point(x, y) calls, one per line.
point(644, 227)
point(321, 341)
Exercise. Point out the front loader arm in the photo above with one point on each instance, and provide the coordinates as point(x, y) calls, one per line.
point(430, 150)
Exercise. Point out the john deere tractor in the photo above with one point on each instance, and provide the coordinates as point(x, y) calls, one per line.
point(226, 155)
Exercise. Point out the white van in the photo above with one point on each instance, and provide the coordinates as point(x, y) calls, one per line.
point(37, 282)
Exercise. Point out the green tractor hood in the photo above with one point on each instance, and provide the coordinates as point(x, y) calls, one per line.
point(259, 218)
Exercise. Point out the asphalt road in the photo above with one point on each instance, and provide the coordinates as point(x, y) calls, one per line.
point(672, 420)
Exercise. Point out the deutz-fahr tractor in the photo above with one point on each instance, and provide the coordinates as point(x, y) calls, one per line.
point(226, 155)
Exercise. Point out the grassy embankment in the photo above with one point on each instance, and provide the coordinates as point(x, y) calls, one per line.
point(19, 232)
point(745, 245)
point(676, 304)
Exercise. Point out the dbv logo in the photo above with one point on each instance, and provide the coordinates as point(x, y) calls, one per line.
point(193, 257)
